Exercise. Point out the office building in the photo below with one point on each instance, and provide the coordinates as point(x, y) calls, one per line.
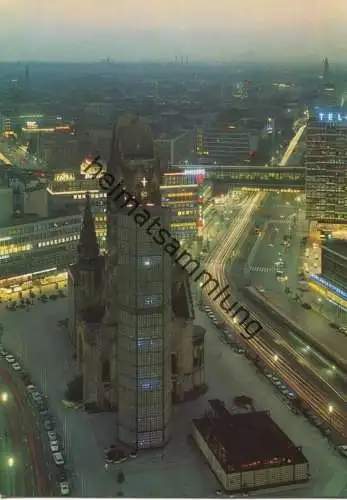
point(334, 262)
point(187, 194)
point(136, 344)
point(248, 451)
point(332, 282)
point(325, 166)
point(226, 145)
point(42, 244)
point(171, 149)
point(66, 194)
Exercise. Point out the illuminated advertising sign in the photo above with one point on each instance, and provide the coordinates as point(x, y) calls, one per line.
point(194, 171)
point(335, 116)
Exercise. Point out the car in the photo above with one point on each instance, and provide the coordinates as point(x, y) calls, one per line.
point(37, 397)
point(31, 388)
point(52, 435)
point(239, 350)
point(58, 458)
point(64, 488)
point(16, 367)
point(3, 352)
point(62, 476)
point(10, 358)
point(342, 329)
point(342, 449)
point(133, 454)
point(48, 424)
point(291, 395)
point(54, 446)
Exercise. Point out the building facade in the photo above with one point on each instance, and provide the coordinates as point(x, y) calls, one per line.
point(334, 262)
point(325, 166)
point(248, 451)
point(43, 244)
point(187, 193)
point(225, 145)
point(175, 149)
point(135, 342)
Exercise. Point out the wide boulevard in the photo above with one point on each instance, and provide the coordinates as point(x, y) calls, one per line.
point(307, 373)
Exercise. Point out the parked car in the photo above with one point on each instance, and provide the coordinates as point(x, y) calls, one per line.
point(54, 446)
point(64, 488)
point(58, 458)
point(342, 448)
point(52, 435)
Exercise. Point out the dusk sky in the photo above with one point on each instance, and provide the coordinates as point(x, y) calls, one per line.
point(221, 30)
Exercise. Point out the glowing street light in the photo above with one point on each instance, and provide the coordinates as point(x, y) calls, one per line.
point(10, 461)
point(275, 357)
point(4, 397)
point(330, 409)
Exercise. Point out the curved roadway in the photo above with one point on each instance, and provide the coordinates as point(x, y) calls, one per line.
point(30, 474)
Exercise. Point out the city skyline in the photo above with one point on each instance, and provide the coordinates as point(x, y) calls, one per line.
point(221, 31)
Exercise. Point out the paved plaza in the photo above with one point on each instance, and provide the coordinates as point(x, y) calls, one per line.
point(180, 471)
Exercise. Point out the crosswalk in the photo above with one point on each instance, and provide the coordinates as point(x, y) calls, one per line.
point(262, 269)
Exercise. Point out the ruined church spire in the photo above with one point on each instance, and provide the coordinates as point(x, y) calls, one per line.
point(88, 247)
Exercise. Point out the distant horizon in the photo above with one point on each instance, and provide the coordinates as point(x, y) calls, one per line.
point(133, 30)
point(314, 61)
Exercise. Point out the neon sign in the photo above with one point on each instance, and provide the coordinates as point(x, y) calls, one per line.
point(194, 171)
point(334, 116)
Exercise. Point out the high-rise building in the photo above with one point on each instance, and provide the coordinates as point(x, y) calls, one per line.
point(136, 345)
point(326, 166)
point(142, 291)
point(188, 195)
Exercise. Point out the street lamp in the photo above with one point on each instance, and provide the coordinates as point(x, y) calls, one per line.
point(4, 397)
point(10, 462)
point(330, 410)
point(275, 357)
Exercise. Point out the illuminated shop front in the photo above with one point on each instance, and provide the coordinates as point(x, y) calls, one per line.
point(187, 194)
point(334, 294)
point(332, 282)
point(45, 244)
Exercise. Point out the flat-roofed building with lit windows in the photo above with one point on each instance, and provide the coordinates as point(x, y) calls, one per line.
point(334, 262)
point(326, 166)
point(187, 194)
point(248, 451)
point(67, 195)
point(332, 282)
point(42, 244)
point(226, 145)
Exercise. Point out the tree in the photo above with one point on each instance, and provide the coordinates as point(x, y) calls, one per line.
point(120, 481)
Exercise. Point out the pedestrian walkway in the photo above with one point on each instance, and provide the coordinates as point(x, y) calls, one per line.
point(262, 269)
